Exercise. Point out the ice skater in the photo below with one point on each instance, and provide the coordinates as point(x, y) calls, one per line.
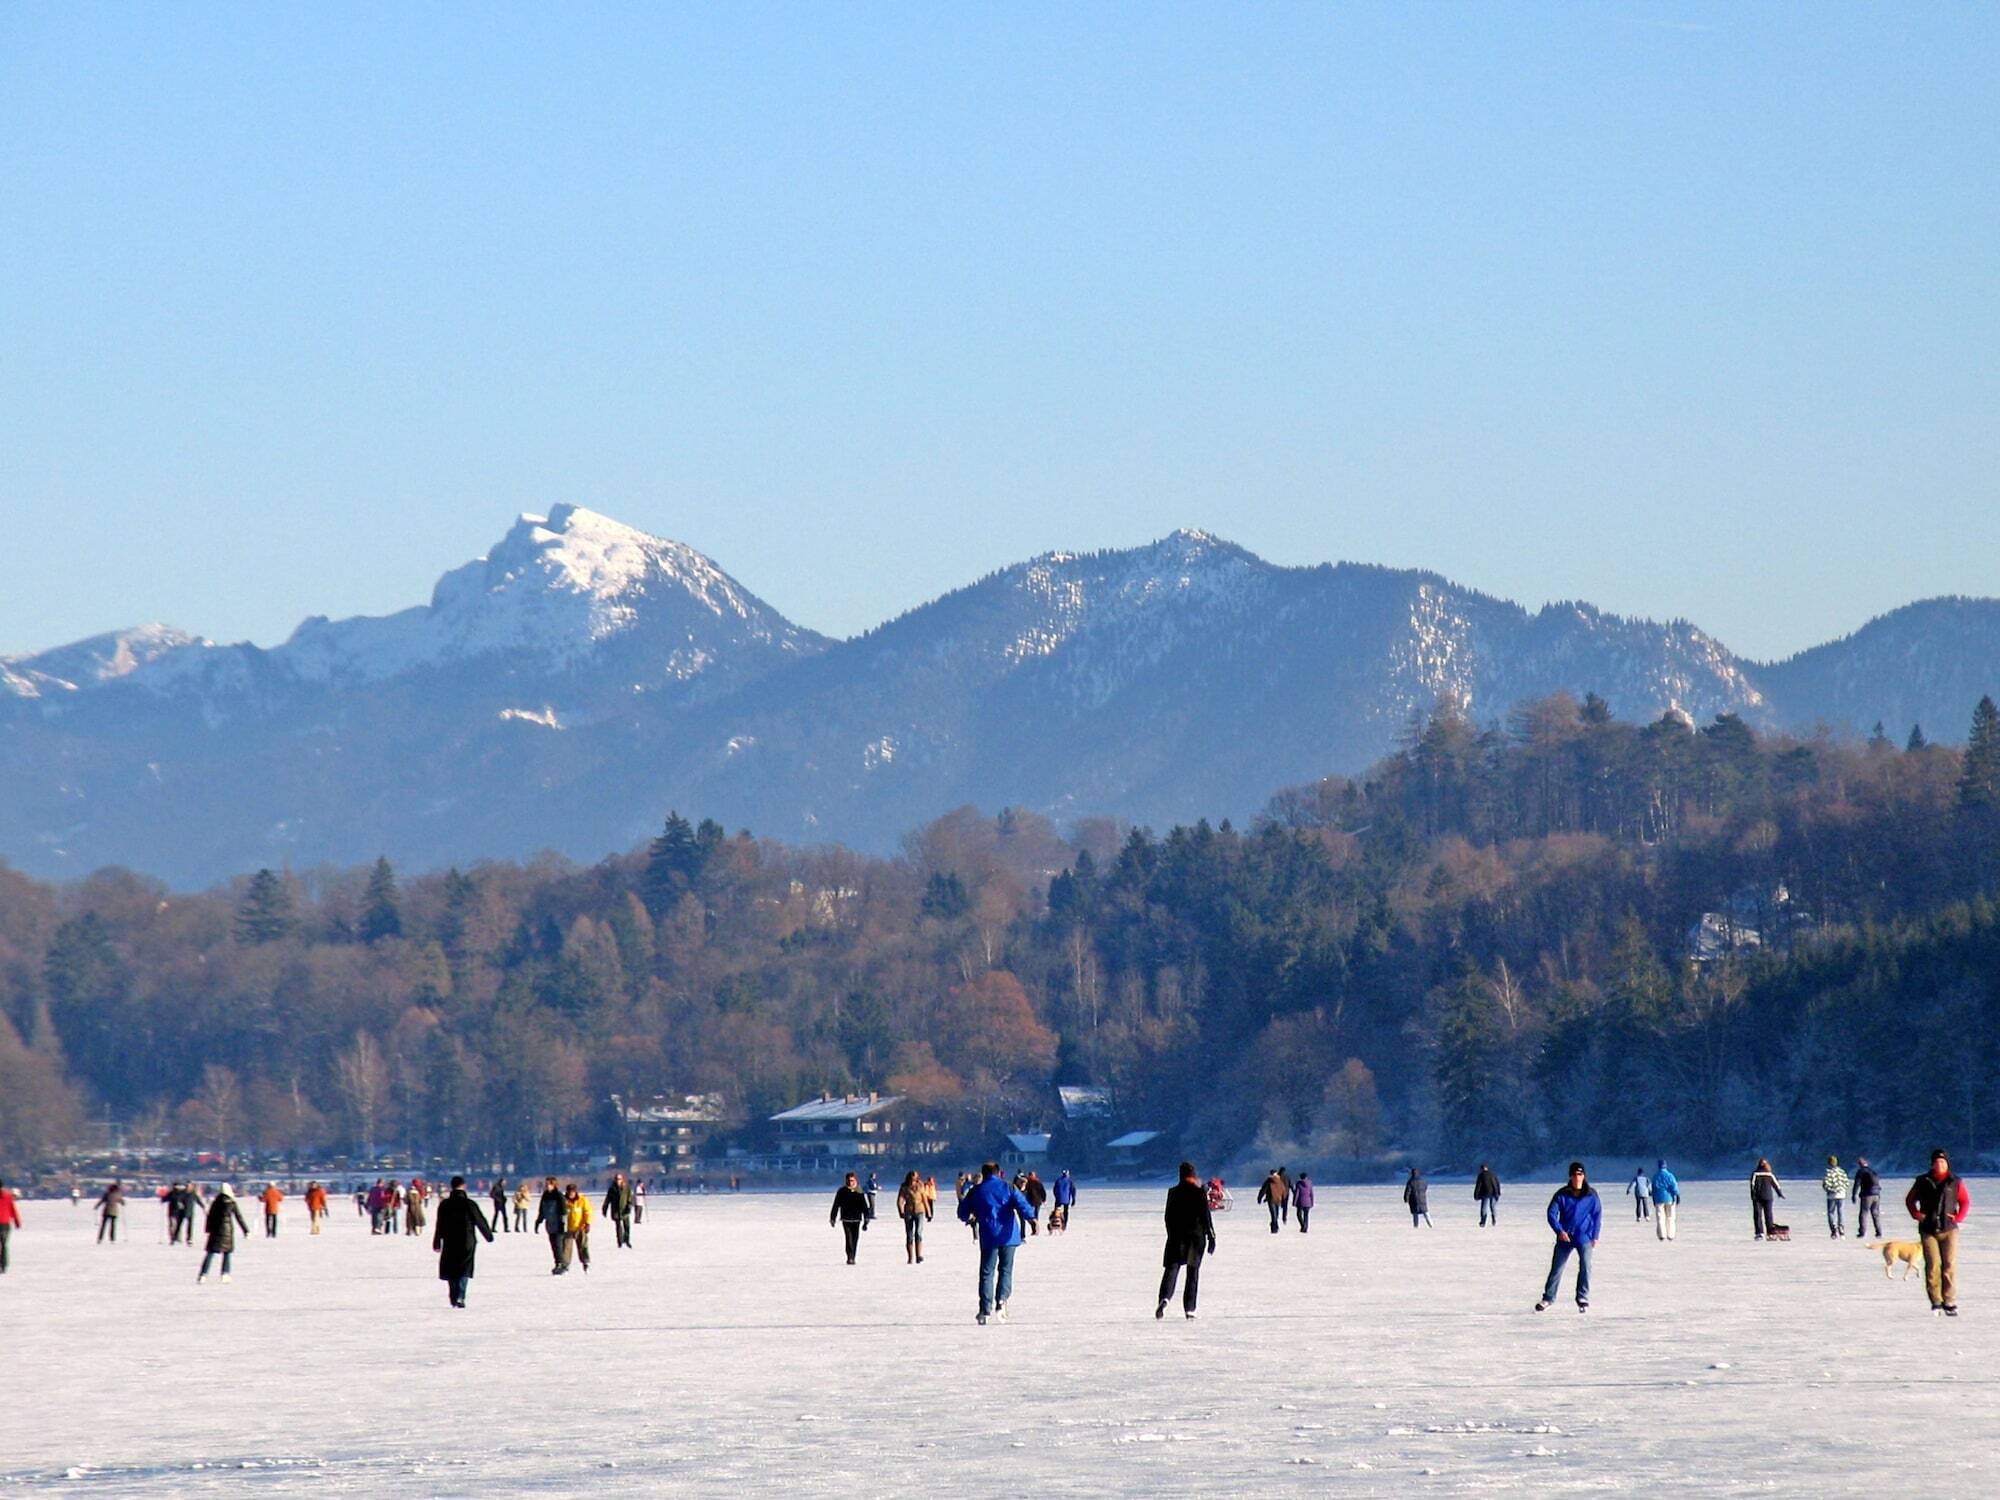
point(110, 1209)
point(1190, 1236)
point(914, 1212)
point(998, 1210)
point(1866, 1192)
point(498, 1196)
point(316, 1206)
point(552, 1215)
point(576, 1228)
point(1417, 1198)
point(1834, 1183)
point(1765, 1191)
point(271, 1198)
point(1302, 1200)
point(850, 1212)
point(10, 1220)
point(1273, 1195)
point(1577, 1217)
point(1939, 1202)
point(460, 1227)
point(618, 1209)
point(1065, 1193)
point(1642, 1193)
point(1486, 1192)
point(1666, 1200)
point(224, 1219)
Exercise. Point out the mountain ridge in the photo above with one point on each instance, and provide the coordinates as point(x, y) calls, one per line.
point(564, 689)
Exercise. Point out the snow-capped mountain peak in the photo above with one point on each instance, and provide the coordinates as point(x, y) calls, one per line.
point(87, 663)
point(554, 587)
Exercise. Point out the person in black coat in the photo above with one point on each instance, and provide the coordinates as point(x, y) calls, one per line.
point(850, 1210)
point(553, 1215)
point(1190, 1235)
point(460, 1225)
point(1486, 1188)
point(222, 1210)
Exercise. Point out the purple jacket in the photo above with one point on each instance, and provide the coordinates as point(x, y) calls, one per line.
point(1302, 1193)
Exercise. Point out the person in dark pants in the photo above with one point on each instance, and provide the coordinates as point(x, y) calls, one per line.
point(498, 1194)
point(618, 1208)
point(552, 1215)
point(1302, 1199)
point(110, 1208)
point(1274, 1193)
point(1577, 1217)
point(224, 1219)
point(1190, 1235)
point(460, 1226)
point(1765, 1191)
point(850, 1211)
point(1866, 1191)
point(1417, 1198)
point(1486, 1190)
point(10, 1220)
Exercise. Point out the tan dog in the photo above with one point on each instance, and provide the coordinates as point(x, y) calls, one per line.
point(1909, 1252)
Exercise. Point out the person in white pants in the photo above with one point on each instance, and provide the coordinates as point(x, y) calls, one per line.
point(1666, 1190)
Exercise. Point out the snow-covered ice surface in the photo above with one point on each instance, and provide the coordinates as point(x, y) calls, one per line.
point(732, 1352)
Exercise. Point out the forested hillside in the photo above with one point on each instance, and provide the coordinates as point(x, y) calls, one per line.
point(1566, 932)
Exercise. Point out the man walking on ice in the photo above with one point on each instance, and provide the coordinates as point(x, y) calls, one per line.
point(1939, 1202)
point(1577, 1216)
point(1190, 1235)
point(999, 1210)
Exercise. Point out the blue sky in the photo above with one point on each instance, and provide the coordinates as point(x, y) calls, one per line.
point(1686, 310)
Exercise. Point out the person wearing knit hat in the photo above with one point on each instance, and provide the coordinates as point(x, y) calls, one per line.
point(1577, 1216)
point(224, 1219)
point(1836, 1185)
point(1939, 1202)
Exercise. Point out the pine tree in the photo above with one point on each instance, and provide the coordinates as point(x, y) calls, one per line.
point(381, 912)
point(675, 860)
point(1878, 738)
point(266, 914)
point(1916, 740)
point(1979, 780)
point(945, 897)
point(1471, 1067)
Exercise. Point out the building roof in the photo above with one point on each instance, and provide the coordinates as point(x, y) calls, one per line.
point(839, 1107)
point(1082, 1101)
point(671, 1109)
point(1028, 1142)
point(1133, 1138)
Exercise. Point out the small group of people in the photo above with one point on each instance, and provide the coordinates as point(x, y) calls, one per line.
point(389, 1205)
point(1281, 1196)
point(565, 1214)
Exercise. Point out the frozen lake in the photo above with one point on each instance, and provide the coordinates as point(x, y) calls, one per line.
point(731, 1352)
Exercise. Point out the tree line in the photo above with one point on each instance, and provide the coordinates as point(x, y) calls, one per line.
point(1506, 940)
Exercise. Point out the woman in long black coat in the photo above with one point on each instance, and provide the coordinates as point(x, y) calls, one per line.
point(224, 1219)
point(460, 1225)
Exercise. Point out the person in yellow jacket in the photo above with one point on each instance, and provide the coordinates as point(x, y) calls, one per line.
point(576, 1227)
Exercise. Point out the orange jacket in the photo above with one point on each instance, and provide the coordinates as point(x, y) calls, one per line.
point(271, 1198)
point(316, 1200)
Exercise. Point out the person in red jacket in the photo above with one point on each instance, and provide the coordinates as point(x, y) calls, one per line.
point(1939, 1202)
point(10, 1220)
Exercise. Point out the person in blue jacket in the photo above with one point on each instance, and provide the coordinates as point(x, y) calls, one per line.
point(1065, 1201)
point(998, 1209)
point(1577, 1216)
point(1666, 1201)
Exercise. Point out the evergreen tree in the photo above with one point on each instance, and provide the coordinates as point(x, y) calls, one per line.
point(381, 911)
point(675, 860)
point(1916, 740)
point(1979, 780)
point(945, 897)
point(1472, 1068)
point(1878, 738)
point(266, 914)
